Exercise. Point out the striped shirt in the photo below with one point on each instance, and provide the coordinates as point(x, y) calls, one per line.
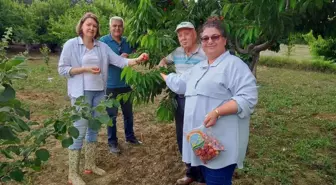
point(183, 62)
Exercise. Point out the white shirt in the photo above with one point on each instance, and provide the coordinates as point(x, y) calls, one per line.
point(92, 82)
point(207, 87)
point(72, 56)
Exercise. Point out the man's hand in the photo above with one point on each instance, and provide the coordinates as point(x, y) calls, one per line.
point(125, 55)
point(163, 63)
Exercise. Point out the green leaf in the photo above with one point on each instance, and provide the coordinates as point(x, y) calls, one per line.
point(17, 75)
point(5, 109)
point(7, 154)
point(23, 125)
point(6, 133)
point(17, 175)
point(42, 154)
point(7, 94)
point(104, 119)
point(67, 142)
point(14, 149)
point(2, 89)
point(281, 5)
point(14, 62)
point(94, 124)
point(293, 3)
point(5, 179)
point(75, 118)
point(58, 125)
point(37, 165)
point(226, 9)
point(73, 132)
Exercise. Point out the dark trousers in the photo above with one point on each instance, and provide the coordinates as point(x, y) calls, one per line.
point(222, 176)
point(127, 111)
point(192, 172)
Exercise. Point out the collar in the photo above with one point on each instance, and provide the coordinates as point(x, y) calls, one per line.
point(123, 39)
point(217, 61)
point(80, 41)
point(196, 50)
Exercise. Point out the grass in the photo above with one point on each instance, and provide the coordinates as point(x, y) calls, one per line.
point(293, 130)
point(299, 59)
point(298, 52)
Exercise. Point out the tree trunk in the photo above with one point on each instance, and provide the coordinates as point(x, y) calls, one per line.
point(253, 65)
point(28, 48)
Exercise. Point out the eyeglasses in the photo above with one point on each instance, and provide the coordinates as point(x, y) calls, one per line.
point(206, 39)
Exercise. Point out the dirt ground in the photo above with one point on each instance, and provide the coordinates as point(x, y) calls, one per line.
point(155, 162)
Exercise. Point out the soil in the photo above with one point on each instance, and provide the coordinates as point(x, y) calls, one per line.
point(155, 162)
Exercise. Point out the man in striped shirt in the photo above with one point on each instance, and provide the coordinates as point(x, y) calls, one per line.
point(184, 57)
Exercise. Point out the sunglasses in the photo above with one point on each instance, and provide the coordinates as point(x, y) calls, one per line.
point(206, 39)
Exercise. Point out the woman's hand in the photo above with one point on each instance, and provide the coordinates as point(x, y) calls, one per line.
point(211, 119)
point(143, 57)
point(125, 55)
point(93, 70)
point(80, 70)
point(164, 76)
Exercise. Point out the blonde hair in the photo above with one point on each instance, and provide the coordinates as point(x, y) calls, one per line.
point(80, 23)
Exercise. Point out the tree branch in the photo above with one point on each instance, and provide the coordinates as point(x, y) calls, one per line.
point(262, 46)
point(239, 49)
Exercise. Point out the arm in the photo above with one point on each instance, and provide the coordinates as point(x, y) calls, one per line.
point(64, 63)
point(163, 63)
point(177, 83)
point(121, 62)
point(166, 60)
point(242, 84)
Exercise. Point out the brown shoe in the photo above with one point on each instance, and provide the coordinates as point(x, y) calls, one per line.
point(184, 181)
point(201, 183)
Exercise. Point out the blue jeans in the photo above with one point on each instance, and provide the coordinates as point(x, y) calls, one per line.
point(93, 98)
point(222, 176)
point(127, 111)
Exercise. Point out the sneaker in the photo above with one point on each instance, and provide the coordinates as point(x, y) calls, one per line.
point(133, 141)
point(184, 181)
point(114, 148)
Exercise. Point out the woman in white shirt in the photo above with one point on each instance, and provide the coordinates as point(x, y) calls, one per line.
point(84, 61)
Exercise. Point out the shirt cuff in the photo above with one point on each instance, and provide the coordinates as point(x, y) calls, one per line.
point(239, 102)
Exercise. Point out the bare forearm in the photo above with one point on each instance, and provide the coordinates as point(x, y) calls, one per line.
point(163, 62)
point(77, 70)
point(230, 107)
point(133, 61)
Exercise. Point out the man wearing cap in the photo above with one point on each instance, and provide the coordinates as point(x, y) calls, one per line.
point(185, 57)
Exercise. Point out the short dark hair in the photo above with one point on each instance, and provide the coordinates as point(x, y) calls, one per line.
point(80, 23)
point(214, 22)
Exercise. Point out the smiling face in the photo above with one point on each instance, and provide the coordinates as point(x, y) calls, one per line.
point(116, 28)
point(187, 37)
point(213, 43)
point(89, 28)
